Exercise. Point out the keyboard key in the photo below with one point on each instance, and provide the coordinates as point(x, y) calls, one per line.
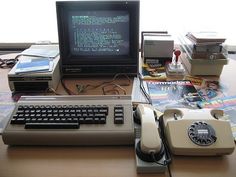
point(38, 125)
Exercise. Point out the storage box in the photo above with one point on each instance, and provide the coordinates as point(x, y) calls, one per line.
point(203, 66)
point(158, 46)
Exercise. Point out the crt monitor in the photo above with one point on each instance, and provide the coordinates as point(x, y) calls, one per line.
point(98, 37)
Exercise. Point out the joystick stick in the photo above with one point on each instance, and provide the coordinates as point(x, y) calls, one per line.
point(177, 54)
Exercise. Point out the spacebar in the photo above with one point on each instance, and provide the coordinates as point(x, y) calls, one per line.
point(38, 125)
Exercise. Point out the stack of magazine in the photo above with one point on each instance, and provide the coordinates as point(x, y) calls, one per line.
point(203, 45)
point(37, 58)
point(34, 65)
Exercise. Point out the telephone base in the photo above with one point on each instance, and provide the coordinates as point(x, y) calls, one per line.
point(149, 167)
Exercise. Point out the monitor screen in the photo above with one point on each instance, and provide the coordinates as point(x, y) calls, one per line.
point(99, 33)
point(98, 37)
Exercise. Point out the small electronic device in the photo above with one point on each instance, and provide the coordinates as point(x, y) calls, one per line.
point(200, 132)
point(34, 81)
point(98, 37)
point(71, 120)
point(157, 46)
point(151, 155)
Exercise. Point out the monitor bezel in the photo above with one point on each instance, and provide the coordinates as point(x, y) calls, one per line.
point(67, 59)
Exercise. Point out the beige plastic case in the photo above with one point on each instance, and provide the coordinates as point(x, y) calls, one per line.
point(210, 134)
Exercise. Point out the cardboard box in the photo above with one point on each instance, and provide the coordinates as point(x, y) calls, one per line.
point(203, 66)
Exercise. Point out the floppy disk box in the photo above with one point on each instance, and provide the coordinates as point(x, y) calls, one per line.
point(159, 47)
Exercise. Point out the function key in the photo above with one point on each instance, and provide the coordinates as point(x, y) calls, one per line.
point(118, 114)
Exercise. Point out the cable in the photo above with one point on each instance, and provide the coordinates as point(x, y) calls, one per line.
point(51, 90)
point(7, 63)
point(144, 92)
point(163, 137)
point(84, 88)
point(68, 91)
point(155, 160)
point(162, 134)
point(169, 172)
point(167, 150)
point(166, 163)
point(115, 89)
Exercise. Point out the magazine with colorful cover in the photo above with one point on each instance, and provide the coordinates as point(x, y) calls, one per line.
point(208, 88)
point(149, 73)
point(173, 94)
point(211, 89)
point(227, 104)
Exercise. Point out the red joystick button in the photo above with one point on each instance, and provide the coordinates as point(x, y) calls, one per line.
point(177, 54)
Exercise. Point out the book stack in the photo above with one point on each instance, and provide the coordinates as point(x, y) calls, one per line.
point(204, 53)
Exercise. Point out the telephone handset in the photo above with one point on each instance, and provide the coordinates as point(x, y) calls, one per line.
point(150, 147)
